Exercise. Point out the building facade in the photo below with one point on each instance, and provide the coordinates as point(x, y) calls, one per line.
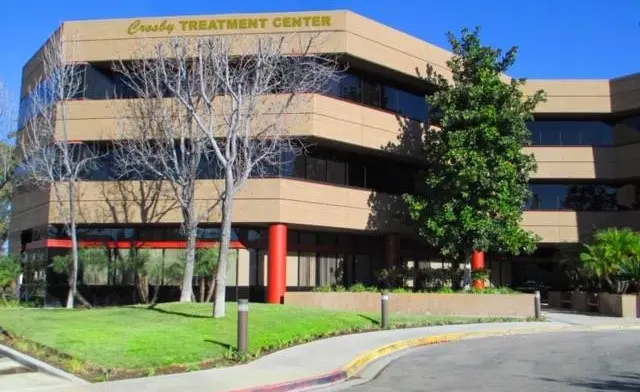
point(331, 216)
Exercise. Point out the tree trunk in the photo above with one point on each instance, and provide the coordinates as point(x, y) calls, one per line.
point(203, 288)
point(73, 279)
point(83, 300)
point(212, 288)
point(142, 285)
point(187, 282)
point(225, 243)
point(154, 300)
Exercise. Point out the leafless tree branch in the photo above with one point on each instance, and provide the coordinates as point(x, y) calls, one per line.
point(217, 104)
point(51, 160)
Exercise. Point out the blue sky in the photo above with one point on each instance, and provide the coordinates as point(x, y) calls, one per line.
point(557, 38)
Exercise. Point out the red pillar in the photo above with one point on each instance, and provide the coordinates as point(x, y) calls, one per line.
point(477, 263)
point(277, 274)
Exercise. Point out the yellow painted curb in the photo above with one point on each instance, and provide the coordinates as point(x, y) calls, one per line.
point(354, 367)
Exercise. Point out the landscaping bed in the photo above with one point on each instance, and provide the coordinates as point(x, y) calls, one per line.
point(135, 341)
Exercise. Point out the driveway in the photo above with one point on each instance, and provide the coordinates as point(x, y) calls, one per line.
point(566, 361)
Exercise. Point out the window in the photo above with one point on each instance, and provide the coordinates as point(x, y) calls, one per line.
point(357, 174)
point(316, 169)
point(582, 197)
point(570, 133)
point(371, 93)
point(336, 172)
point(350, 88)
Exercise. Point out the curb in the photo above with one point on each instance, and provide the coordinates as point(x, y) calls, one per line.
point(358, 364)
point(39, 365)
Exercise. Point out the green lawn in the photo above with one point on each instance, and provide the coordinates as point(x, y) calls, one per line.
point(141, 338)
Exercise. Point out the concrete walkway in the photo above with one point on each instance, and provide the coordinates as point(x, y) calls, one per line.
point(15, 376)
point(321, 361)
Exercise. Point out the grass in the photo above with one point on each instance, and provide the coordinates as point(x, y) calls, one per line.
point(150, 341)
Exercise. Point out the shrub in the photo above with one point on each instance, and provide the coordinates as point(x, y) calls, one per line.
point(612, 257)
point(446, 290)
point(361, 288)
point(10, 270)
point(494, 290)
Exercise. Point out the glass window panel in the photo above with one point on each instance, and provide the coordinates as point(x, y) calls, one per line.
point(362, 270)
point(412, 105)
point(307, 238)
point(571, 133)
point(370, 93)
point(209, 233)
point(571, 137)
point(307, 269)
point(390, 99)
point(336, 172)
point(316, 169)
point(357, 174)
point(350, 88)
point(327, 239)
point(544, 196)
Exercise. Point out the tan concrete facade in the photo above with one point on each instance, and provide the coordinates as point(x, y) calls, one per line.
point(327, 119)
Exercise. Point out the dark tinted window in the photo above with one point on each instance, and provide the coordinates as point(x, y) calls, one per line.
point(350, 88)
point(582, 197)
point(336, 171)
point(316, 169)
point(570, 133)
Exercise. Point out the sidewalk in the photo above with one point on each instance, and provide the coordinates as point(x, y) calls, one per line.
point(329, 360)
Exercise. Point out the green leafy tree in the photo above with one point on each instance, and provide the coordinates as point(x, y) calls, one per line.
point(10, 270)
point(476, 179)
point(611, 257)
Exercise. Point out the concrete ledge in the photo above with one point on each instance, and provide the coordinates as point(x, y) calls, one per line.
point(476, 305)
point(39, 365)
point(361, 362)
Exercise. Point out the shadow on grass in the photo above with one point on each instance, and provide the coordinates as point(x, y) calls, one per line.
point(181, 314)
point(626, 382)
point(371, 319)
point(226, 346)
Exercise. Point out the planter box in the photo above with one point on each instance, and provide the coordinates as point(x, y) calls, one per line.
point(555, 299)
point(508, 305)
point(579, 301)
point(618, 305)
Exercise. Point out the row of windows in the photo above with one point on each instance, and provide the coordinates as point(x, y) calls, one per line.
point(210, 233)
point(326, 165)
point(316, 164)
point(582, 197)
point(584, 133)
point(101, 82)
point(368, 91)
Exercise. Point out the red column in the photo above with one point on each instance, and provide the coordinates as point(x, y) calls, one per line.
point(277, 275)
point(477, 263)
point(390, 250)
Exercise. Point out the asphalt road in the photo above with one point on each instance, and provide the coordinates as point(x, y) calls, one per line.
point(567, 361)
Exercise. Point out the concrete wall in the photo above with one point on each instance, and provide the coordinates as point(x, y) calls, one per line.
point(514, 305)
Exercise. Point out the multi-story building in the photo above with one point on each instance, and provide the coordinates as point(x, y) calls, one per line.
point(330, 216)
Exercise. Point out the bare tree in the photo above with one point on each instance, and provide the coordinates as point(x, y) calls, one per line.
point(7, 157)
point(228, 98)
point(158, 140)
point(51, 160)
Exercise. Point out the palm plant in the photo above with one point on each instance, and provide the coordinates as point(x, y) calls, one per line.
point(605, 257)
point(630, 268)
